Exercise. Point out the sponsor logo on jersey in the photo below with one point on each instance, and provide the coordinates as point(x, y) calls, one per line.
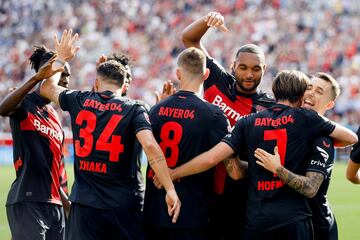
point(47, 130)
point(229, 112)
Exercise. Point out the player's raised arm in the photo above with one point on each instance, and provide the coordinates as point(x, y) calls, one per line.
point(204, 161)
point(343, 136)
point(14, 98)
point(66, 51)
point(306, 185)
point(157, 162)
point(192, 34)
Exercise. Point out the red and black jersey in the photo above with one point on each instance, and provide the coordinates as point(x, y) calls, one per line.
point(355, 152)
point(271, 204)
point(321, 159)
point(37, 136)
point(185, 126)
point(106, 150)
point(220, 90)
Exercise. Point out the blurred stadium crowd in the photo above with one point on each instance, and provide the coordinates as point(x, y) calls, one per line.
point(309, 35)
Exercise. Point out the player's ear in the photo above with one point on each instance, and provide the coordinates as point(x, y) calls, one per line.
point(264, 67)
point(178, 73)
point(330, 105)
point(206, 74)
point(96, 85)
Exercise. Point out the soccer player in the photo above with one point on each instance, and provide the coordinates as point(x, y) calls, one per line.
point(184, 125)
point(236, 94)
point(34, 203)
point(320, 96)
point(274, 210)
point(352, 170)
point(105, 201)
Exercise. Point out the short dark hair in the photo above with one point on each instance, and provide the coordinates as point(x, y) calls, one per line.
point(335, 88)
point(251, 48)
point(193, 60)
point(112, 72)
point(290, 85)
point(121, 58)
point(39, 57)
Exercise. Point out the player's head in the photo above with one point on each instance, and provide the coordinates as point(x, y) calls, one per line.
point(110, 75)
point(40, 56)
point(290, 85)
point(191, 64)
point(321, 92)
point(125, 61)
point(248, 67)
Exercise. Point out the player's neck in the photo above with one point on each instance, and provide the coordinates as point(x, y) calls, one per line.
point(190, 86)
point(104, 86)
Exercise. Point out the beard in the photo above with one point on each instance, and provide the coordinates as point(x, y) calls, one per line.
point(241, 83)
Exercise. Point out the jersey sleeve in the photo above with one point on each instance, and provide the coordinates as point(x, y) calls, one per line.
point(217, 73)
point(219, 127)
point(320, 126)
point(355, 152)
point(67, 99)
point(141, 119)
point(236, 138)
point(321, 156)
point(19, 113)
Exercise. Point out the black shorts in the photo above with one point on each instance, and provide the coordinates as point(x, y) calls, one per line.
point(87, 223)
point(35, 220)
point(158, 233)
point(326, 232)
point(301, 230)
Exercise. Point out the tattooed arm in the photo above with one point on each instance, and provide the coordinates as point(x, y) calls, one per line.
point(306, 185)
point(236, 168)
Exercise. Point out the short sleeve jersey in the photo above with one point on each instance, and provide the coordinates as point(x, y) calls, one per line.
point(37, 136)
point(271, 204)
point(184, 126)
point(321, 160)
point(104, 133)
point(355, 152)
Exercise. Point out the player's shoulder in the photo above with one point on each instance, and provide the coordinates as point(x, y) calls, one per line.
point(265, 97)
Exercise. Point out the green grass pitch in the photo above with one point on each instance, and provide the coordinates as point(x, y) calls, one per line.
point(344, 198)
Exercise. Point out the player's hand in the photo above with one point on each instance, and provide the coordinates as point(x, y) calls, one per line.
point(173, 203)
point(47, 70)
point(100, 60)
point(65, 48)
point(216, 20)
point(168, 90)
point(267, 160)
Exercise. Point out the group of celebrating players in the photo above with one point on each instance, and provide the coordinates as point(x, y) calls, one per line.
point(233, 164)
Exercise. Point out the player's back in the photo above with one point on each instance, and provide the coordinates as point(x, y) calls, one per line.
point(104, 131)
point(184, 126)
point(273, 204)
